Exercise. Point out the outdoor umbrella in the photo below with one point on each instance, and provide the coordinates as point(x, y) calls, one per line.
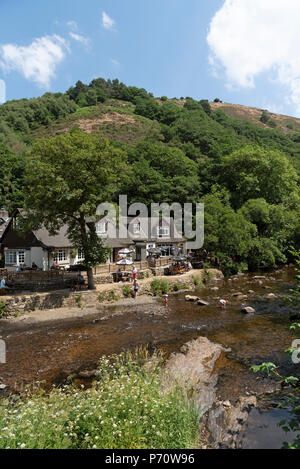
point(154, 250)
point(178, 258)
point(124, 262)
point(125, 252)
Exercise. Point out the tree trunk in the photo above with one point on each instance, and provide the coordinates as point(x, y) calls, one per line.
point(91, 281)
point(84, 236)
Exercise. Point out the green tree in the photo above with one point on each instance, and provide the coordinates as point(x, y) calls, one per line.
point(226, 232)
point(67, 177)
point(12, 169)
point(254, 172)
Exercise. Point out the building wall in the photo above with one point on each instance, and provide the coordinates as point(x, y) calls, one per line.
point(40, 257)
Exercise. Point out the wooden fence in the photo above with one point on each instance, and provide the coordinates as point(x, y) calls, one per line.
point(140, 265)
point(40, 276)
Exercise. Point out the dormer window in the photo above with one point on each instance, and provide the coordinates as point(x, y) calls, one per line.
point(16, 224)
point(163, 231)
point(137, 228)
point(102, 228)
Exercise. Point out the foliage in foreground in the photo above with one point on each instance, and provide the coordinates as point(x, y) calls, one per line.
point(125, 409)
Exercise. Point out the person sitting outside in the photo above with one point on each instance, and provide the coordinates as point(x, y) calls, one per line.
point(55, 265)
point(80, 281)
point(3, 286)
point(119, 275)
point(134, 273)
point(34, 266)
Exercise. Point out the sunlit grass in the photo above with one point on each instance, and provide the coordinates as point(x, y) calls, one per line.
point(126, 408)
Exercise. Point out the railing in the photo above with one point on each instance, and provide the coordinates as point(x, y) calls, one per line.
point(112, 268)
point(40, 276)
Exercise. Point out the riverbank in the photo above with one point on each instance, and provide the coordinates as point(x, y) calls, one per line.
point(52, 351)
point(63, 304)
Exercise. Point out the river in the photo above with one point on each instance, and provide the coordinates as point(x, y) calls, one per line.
point(51, 351)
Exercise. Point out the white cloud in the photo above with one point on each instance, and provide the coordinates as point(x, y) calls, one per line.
point(249, 37)
point(115, 62)
point(37, 62)
point(72, 25)
point(2, 92)
point(82, 39)
point(107, 22)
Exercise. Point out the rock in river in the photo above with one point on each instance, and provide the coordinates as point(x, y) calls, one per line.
point(248, 310)
point(194, 367)
point(202, 302)
point(192, 299)
point(271, 296)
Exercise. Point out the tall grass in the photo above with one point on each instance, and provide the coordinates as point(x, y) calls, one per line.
point(159, 287)
point(126, 408)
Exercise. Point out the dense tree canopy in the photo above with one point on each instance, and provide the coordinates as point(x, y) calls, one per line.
point(178, 151)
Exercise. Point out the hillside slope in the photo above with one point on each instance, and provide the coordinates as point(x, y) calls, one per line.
point(285, 124)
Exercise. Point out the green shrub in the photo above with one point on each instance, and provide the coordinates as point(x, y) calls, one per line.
point(125, 409)
point(127, 291)
point(177, 287)
point(208, 276)
point(197, 280)
point(78, 300)
point(159, 287)
point(3, 311)
point(112, 296)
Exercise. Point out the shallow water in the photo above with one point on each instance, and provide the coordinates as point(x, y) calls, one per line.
point(53, 351)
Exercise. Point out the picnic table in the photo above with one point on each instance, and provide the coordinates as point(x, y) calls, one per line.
point(77, 285)
point(177, 269)
point(123, 276)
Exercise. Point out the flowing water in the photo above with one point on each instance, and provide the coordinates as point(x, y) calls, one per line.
point(52, 351)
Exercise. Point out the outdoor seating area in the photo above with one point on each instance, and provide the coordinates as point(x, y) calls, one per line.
point(123, 277)
point(180, 265)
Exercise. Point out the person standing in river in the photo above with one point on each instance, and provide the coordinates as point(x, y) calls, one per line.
point(135, 289)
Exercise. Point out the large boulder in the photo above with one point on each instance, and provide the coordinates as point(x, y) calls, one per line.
point(194, 368)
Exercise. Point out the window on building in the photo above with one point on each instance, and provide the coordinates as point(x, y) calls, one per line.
point(102, 228)
point(21, 259)
point(14, 257)
point(60, 255)
point(136, 228)
point(80, 255)
point(163, 231)
point(10, 257)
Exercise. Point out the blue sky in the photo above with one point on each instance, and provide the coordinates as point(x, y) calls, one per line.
point(231, 49)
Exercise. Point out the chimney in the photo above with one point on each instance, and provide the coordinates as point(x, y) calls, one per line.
point(3, 213)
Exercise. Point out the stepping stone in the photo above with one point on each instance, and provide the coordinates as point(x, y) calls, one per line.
point(202, 302)
point(248, 310)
